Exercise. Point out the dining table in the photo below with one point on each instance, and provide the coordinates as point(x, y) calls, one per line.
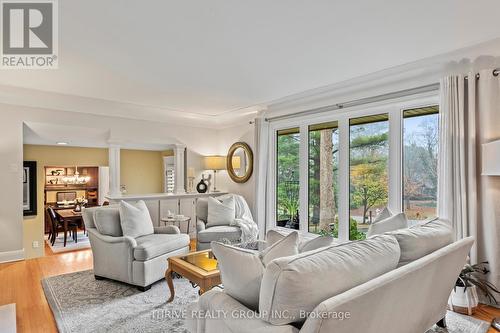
point(66, 216)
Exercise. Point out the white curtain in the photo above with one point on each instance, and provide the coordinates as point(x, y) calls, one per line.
point(469, 117)
point(261, 190)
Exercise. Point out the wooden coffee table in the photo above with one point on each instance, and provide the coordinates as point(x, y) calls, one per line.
point(198, 267)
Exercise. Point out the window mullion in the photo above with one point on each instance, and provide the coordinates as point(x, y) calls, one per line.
point(395, 161)
point(303, 178)
point(343, 179)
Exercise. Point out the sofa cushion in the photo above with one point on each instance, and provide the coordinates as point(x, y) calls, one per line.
point(154, 245)
point(299, 283)
point(107, 221)
point(392, 223)
point(242, 269)
point(221, 212)
point(135, 219)
point(218, 233)
point(420, 240)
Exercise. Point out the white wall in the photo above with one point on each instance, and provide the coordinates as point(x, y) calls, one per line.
point(199, 142)
point(226, 137)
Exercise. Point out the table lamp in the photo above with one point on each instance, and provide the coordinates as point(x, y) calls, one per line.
point(215, 163)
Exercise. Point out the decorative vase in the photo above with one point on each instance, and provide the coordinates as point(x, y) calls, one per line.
point(78, 208)
point(202, 187)
point(464, 300)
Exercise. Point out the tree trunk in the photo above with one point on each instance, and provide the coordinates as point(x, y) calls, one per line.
point(327, 201)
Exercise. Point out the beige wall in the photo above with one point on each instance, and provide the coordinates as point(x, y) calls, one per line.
point(141, 171)
point(52, 156)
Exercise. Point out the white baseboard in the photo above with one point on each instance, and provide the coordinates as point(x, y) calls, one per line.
point(12, 256)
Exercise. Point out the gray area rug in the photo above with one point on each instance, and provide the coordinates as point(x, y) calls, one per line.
point(82, 304)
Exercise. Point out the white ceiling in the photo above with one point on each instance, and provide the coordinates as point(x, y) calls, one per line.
point(225, 57)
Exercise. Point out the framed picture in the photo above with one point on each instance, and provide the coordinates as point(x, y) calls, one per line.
point(29, 188)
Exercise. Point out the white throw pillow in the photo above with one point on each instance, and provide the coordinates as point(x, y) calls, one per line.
point(221, 212)
point(273, 236)
point(384, 214)
point(135, 219)
point(392, 223)
point(297, 284)
point(242, 269)
point(421, 240)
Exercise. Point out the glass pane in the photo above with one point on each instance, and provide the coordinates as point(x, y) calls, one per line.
point(287, 178)
point(369, 154)
point(421, 134)
point(323, 178)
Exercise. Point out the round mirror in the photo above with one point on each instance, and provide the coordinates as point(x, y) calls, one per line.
point(240, 162)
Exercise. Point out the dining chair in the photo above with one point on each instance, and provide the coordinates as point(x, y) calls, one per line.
point(58, 226)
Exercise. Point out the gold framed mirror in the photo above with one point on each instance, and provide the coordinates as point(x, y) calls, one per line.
point(239, 162)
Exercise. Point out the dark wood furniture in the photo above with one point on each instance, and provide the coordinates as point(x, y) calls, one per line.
point(58, 187)
point(200, 268)
point(59, 224)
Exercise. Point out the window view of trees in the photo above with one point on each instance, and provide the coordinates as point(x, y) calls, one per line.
point(287, 176)
point(369, 154)
point(323, 177)
point(420, 163)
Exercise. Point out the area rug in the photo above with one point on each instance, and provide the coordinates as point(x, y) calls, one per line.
point(82, 304)
point(58, 247)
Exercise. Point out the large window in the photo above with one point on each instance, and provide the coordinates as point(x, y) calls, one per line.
point(323, 178)
point(287, 178)
point(420, 151)
point(368, 162)
point(335, 172)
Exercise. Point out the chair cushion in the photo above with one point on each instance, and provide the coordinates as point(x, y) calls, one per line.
point(154, 245)
point(296, 285)
point(221, 212)
point(421, 240)
point(135, 219)
point(242, 269)
point(392, 223)
point(107, 221)
point(218, 233)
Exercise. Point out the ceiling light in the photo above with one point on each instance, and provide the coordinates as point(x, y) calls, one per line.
point(62, 143)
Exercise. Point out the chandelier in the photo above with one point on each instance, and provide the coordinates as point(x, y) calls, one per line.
point(76, 178)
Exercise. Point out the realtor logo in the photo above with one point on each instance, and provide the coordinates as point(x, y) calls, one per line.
point(29, 34)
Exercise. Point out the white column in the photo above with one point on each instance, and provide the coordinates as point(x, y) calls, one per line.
point(179, 169)
point(114, 169)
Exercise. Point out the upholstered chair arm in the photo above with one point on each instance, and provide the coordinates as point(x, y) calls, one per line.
point(113, 256)
point(168, 229)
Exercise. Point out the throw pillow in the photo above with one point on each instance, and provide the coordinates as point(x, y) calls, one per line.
point(297, 284)
point(107, 221)
point(241, 269)
point(392, 223)
point(384, 214)
point(273, 236)
point(135, 219)
point(221, 211)
point(421, 240)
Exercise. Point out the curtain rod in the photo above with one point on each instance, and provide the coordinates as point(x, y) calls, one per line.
point(361, 101)
point(495, 72)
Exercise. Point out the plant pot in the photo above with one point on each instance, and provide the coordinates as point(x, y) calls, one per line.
point(463, 300)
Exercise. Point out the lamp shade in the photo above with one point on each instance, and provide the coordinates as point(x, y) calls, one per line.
point(491, 158)
point(215, 162)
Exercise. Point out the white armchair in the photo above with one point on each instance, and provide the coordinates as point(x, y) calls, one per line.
point(138, 261)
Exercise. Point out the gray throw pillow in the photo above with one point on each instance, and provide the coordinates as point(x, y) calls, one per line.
point(221, 212)
point(135, 219)
point(107, 221)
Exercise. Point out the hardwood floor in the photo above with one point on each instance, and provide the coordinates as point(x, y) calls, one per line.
point(20, 284)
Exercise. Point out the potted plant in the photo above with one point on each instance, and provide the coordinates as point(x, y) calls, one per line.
point(464, 297)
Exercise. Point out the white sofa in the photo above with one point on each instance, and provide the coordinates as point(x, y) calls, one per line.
point(409, 298)
point(138, 261)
